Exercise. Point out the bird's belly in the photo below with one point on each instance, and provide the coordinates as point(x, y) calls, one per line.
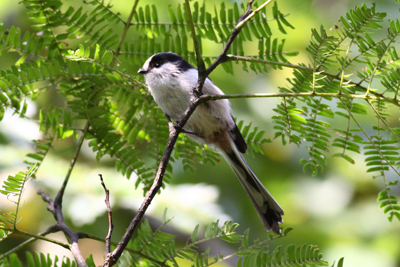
point(205, 122)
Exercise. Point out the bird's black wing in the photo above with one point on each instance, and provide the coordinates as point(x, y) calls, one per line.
point(239, 140)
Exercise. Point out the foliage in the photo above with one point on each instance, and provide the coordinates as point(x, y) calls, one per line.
point(37, 260)
point(347, 49)
point(13, 188)
point(77, 53)
point(215, 28)
point(161, 246)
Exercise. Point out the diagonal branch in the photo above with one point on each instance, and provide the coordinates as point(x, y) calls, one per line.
point(113, 257)
point(55, 206)
point(223, 56)
point(59, 197)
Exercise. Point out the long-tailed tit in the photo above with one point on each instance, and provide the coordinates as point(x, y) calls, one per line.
point(171, 81)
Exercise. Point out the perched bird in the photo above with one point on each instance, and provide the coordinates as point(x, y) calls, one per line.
point(171, 80)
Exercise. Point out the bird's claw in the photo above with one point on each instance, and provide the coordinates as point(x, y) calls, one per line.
point(177, 127)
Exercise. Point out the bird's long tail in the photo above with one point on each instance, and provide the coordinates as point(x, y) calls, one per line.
point(266, 206)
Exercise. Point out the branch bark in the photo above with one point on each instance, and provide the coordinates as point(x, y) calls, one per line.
point(55, 206)
point(109, 211)
point(56, 210)
point(113, 257)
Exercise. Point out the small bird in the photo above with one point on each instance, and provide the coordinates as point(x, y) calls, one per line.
point(171, 80)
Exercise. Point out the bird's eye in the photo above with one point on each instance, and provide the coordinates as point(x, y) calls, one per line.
point(157, 65)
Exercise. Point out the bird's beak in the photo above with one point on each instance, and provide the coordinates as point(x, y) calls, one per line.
point(142, 71)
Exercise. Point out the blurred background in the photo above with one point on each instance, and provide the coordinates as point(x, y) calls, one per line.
point(336, 210)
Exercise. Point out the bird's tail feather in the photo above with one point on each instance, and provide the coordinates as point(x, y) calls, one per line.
point(267, 208)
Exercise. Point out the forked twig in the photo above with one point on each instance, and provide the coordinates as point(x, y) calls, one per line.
point(56, 210)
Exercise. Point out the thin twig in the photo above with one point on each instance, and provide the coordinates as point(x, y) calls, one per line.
point(109, 211)
point(383, 120)
point(55, 209)
point(123, 35)
point(369, 138)
point(55, 206)
point(51, 229)
point(242, 20)
point(309, 94)
point(201, 67)
point(300, 67)
point(58, 199)
point(64, 245)
point(112, 258)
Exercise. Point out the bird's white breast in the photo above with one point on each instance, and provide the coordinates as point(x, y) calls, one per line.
point(172, 95)
point(173, 92)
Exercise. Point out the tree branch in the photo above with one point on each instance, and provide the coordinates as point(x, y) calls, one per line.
point(112, 258)
point(55, 207)
point(223, 56)
point(109, 211)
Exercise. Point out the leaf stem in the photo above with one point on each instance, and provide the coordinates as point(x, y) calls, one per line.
point(311, 94)
point(241, 24)
point(58, 199)
point(28, 175)
point(40, 236)
point(382, 119)
point(300, 67)
point(369, 138)
point(200, 62)
point(125, 31)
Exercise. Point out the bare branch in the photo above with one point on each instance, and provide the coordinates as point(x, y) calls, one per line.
point(55, 209)
point(109, 211)
point(112, 258)
point(242, 20)
point(55, 206)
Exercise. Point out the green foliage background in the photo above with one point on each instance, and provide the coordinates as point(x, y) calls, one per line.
point(336, 209)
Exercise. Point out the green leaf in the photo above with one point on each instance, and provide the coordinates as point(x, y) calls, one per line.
point(194, 233)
